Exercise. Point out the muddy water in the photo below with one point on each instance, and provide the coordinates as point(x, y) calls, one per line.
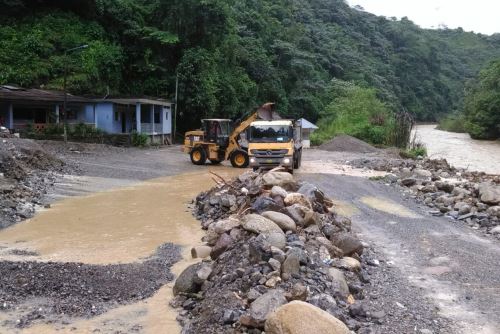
point(460, 150)
point(117, 226)
point(389, 206)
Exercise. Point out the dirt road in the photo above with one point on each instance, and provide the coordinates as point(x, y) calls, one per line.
point(438, 268)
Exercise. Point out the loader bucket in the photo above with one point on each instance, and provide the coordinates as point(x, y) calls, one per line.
point(266, 112)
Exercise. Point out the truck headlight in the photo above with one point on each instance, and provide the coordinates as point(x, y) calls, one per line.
point(252, 160)
point(286, 161)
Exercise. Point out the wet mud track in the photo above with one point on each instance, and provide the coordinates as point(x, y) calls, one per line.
point(435, 275)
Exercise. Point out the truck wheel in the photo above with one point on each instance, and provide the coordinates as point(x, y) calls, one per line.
point(239, 159)
point(198, 156)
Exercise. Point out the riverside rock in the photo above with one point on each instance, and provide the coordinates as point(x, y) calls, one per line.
point(489, 194)
point(278, 191)
point(191, 279)
point(283, 221)
point(259, 224)
point(262, 307)
point(338, 279)
point(298, 317)
point(348, 243)
point(277, 179)
point(297, 198)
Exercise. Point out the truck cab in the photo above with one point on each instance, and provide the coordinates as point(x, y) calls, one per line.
point(274, 143)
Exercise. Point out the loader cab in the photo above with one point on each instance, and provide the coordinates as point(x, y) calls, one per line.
point(217, 131)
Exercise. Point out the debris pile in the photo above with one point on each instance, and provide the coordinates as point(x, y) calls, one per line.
point(471, 197)
point(345, 143)
point(26, 171)
point(275, 255)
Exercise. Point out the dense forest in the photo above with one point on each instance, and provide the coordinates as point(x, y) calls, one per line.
point(232, 55)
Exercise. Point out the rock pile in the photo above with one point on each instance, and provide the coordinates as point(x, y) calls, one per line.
point(277, 258)
point(26, 171)
point(472, 197)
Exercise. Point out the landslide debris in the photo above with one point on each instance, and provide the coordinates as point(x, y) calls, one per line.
point(50, 291)
point(26, 172)
point(271, 241)
point(463, 196)
point(346, 143)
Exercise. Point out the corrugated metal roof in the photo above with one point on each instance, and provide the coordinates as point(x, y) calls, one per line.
point(17, 94)
point(134, 101)
point(305, 124)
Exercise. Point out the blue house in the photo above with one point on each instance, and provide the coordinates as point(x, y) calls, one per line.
point(41, 108)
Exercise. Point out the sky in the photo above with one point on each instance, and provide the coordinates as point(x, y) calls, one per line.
point(482, 16)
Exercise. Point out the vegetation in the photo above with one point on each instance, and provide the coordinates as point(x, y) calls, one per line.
point(139, 139)
point(452, 123)
point(232, 55)
point(482, 104)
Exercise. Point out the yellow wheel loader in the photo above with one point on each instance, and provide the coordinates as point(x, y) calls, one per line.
point(217, 141)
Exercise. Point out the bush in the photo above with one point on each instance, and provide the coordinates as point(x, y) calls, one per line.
point(416, 149)
point(86, 131)
point(139, 139)
point(452, 123)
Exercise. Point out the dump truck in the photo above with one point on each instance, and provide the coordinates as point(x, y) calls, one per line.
point(218, 141)
point(274, 143)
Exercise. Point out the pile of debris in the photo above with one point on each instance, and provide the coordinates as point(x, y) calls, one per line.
point(26, 171)
point(472, 197)
point(277, 258)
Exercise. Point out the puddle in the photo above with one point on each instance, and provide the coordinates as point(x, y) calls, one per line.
point(322, 167)
point(389, 206)
point(117, 226)
point(344, 208)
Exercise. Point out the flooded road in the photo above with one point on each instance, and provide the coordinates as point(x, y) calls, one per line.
point(117, 226)
point(460, 150)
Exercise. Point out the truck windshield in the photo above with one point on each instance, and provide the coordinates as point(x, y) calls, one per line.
point(270, 133)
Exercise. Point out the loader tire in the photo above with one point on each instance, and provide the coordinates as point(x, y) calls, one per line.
point(198, 156)
point(239, 159)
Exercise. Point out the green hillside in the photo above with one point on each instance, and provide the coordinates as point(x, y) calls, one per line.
point(232, 55)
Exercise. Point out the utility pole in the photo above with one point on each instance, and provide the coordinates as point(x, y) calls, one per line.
point(65, 133)
point(176, 103)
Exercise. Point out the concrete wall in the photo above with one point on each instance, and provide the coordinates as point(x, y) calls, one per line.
point(105, 118)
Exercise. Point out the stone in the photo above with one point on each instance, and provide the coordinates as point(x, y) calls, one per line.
point(200, 252)
point(259, 224)
point(263, 203)
point(298, 317)
point(283, 221)
point(422, 173)
point(297, 198)
point(276, 239)
point(253, 294)
point(278, 254)
point(277, 179)
point(338, 279)
point(333, 250)
point(271, 283)
point(261, 308)
point(227, 200)
point(444, 186)
point(462, 208)
point(489, 193)
point(291, 266)
point(221, 245)
point(358, 309)
point(275, 264)
point(495, 230)
point(324, 301)
point(225, 225)
point(299, 292)
point(494, 211)
point(278, 191)
point(191, 279)
point(350, 264)
point(230, 317)
point(348, 243)
point(408, 182)
point(313, 194)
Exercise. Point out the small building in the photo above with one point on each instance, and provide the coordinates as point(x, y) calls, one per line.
point(307, 128)
point(20, 107)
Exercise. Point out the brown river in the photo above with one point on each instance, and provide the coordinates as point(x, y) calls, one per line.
point(117, 226)
point(460, 150)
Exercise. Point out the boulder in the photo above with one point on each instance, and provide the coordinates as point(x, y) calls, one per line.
point(302, 215)
point(200, 252)
point(275, 239)
point(299, 292)
point(324, 301)
point(297, 198)
point(291, 266)
point(350, 264)
point(278, 191)
point(489, 193)
point(261, 308)
point(348, 243)
point(494, 211)
point(495, 230)
point(191, 279)
point(298, 317)
point(283, 221)
point(263, 203)
point(334, 251)
point(338, 279)
point(408, 182)
point(221, 245)
point(422, 173)
point(225, 225)
point(444, 186)
point(259, 224)
point(277, 179)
